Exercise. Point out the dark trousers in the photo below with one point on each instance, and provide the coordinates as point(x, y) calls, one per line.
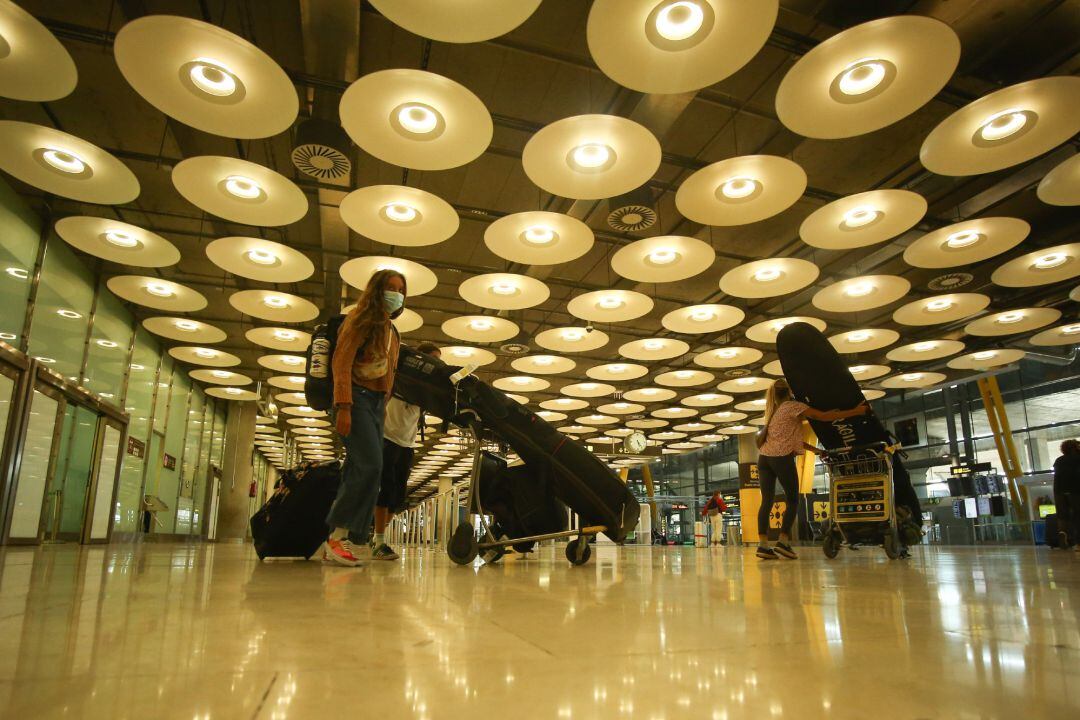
point(1068, 513)
point(770, 470)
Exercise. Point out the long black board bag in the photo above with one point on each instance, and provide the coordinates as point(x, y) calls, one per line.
point(292, 523)
point(577, 477)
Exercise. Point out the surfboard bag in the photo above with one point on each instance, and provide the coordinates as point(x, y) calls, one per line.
point(576, 476)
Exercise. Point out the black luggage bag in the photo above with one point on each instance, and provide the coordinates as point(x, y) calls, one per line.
point(292, 523)
point(520, 499)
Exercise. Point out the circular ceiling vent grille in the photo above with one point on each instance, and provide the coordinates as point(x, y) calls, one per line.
point(515, 348)
point(320, 161)
point(950, 281)
point(630, 218)
point(737, 372)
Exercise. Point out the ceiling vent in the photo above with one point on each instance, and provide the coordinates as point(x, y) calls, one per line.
point(515, 348)
point(950, 281)
point(736, 372)
point(632, 211)
point(322, 150)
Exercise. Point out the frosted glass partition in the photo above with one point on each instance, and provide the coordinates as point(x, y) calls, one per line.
point(106, 478)
point(33, 475)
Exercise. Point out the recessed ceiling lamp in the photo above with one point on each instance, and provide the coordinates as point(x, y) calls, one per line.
point(1004, 128)
point(966, 242)
point(1064, 335)
point(1011, 322)
point(504, 291)
point(663, 259)
point(862, 219)
point(741, 190)
point(399, 215)
point(676, 46)
point(610, 305)
point(861, 293)
point(867, 77)
point(359, 270)
point(155, 293)
point(186, 325)
point(278, 307)
point(239, 190)
point(925, 350)
point(230, 88)
point(768, 278)
point(1061, 186)
point(571, 339)
point(36, 67)
point(767, 330)
point(698, 319)
point(415, 119)
point(941, 309)
point(1042, 267)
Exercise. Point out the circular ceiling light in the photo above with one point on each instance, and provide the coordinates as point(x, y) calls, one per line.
point(464, 21)
point(571, 339)
point(283, 339)
point(504, 291)
point(1011, 322)
point(855, 341)
point(588, 157)
point(276, 307)
point(766, 330)
point(564, 404)
point(416, 119)
point(538, 238)
point(64, 165)
point(1061, 186)
point(966, 243)
point(36, 67)
point(1004, 128)
point(676, 46)
point(480, 328)
point(667, 258)
point(240, 191)
point(232, 393)
point(610, 305)
point(117, 241)
point(206, 77)
point(912, 380)
point(654, 349)
point(543, 364)
point(862, 219)
point(358, 271)
point(221, 377)
point(728, 357)
point(260, 259)
point(986, 359)
point(408, 321)
point(204, 356)
point(457, 354)
point(861, 293)
point(156, 293)
point(684, 378)
point(941, 309)
point(184, 330)
point(399, 215)
point(587, 390)
point(698, 319)
point(1042, 267)
point(1063, 335)
point(925, 350)
point(617, 372)
point(867, 77)
point(705, 197)
point(768, 278)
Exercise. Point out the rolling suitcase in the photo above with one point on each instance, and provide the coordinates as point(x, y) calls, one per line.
point(292, 523)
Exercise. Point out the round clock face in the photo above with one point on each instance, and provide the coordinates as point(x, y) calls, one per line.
point(635, 443)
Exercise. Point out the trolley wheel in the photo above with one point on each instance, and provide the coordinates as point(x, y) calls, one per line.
point(831, 545)
point(492, 556)
point(578, 551)
point(462, 547)
point(891, 544)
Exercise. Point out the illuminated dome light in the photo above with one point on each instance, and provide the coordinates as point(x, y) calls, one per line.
point(64, 161)
point(588, 386)
point(120, 239)
point(1070, 330)
point(292, 360)
point(679, 20)
point(780, 325)
point(617, 369)
point(1003, 124)
point(963, 239)
point(727, 353)
point(543, 360)
point(212, 78)
point(573, 335)
point(767, 274)
point(861, 76)
point(1052, 260)
point(739, 188)
point(159, 290)
point(284, 335)
point(276, 302)
point(205, 353)
point(858, 336)
point(564, 401)
point(662, 257)
point(504, 288)
point(1009, 318)
point(417, 119)
point(703, 316)
point(861, 289)
point(860, 216)
point(262, 257)
point(400, 212)
point(653, 344)
point(538, 235)
point(481, 325)
point(221, 373)
point(684, 374)
point(186, 325)
point(69, 314)
point(591, 156)
point(913, 377)
point(857, 369)
point(17, 272)
point(985, 355)
point(649, 391)
point(924, 346)
point(610, 302)
point(622, 405)
point(939, 305)
point(461, 352)
point(746, 381)
point(233, 391)
point(242, 187)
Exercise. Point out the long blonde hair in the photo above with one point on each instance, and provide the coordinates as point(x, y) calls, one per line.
point(777, 394)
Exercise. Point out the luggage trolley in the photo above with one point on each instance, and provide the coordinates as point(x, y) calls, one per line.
point(463, 547)
point(861, 510)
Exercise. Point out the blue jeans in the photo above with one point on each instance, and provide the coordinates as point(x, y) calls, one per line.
point(354, 505)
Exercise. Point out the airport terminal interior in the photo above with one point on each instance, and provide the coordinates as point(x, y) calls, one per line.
point(619, 229)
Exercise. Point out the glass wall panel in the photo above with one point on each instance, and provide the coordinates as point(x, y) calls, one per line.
point(33, 474)
point(190, 477)
point(20, 233)
point(107, 353)
point(99, 527)
point(169, 477)
point(139, 404)
point(65, 297)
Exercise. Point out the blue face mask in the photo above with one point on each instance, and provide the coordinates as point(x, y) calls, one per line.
point(393, 301)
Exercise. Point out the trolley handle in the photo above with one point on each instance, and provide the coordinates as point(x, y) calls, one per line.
point(879, 445)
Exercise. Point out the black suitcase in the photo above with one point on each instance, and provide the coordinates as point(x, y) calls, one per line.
point(292, 523)
point(521, 500)
point(1052, 530)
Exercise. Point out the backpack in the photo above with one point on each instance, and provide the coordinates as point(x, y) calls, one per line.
point(319, 378)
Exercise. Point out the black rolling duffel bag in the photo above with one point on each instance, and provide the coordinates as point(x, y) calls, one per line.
point(292, 523)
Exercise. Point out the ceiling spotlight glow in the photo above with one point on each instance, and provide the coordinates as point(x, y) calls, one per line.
point(616, 369)
point(984, 355)
point(1051, 260)
point(649, 391)
point(400, 212)
point(159, 290)
point(275, 302)
point(262, 257)
point(684, 374)
point(588, 386)
point(221, 373)
point(417, 119)
point(233, 391)
point(780, 325)
point(746, 381)
point(610, 302)
point(292, 360)
point(939, 305)
point(504, 288)
point(702, 315)
point(538, 235)
point(242, 187)
point(665, 256)
point(858, 336)
point(1009, 318)
point(726, 353)
point(860, 216)
point(857, 369)
point(205, 352)
point(591, 155)
point(212, 78)
point(69, 314)
point(962, 239)
point(1070, 330)
point(767, 274)
point(284, 335)
point(120, 239)
point(860, 289)
point(653, 344)
point(1003, 124)
point(739, 188)
point(861, 76)
point(912, 377)
point(186, 325)
point(461, 352)
point(481, 325)
point(63, 161)
point(924, 346)
point(543, 360)
point(564, 401)
point(573, 335)
point(17, 272)
point(679, 20)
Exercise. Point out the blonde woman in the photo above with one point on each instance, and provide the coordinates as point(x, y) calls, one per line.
point(364, 362)
point(779, 442)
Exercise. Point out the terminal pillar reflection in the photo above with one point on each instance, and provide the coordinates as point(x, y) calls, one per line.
point(235, 501)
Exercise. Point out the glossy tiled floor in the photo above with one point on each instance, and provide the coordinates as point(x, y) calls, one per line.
point(162, 631)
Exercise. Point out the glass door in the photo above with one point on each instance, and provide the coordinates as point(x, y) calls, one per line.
point(38, 458)
point(66, 498)
point(106, 474)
